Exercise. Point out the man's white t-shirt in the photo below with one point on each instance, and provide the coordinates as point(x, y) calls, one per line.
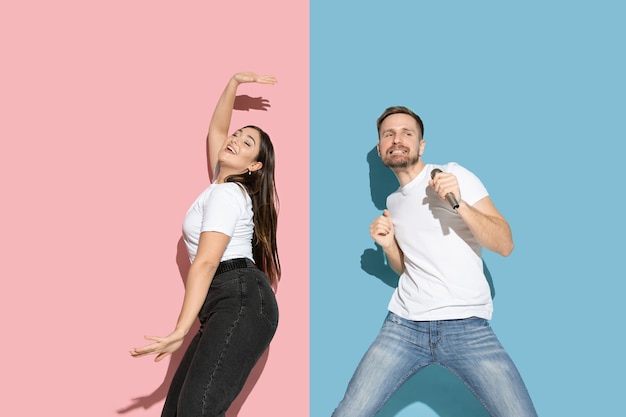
point(443, 277)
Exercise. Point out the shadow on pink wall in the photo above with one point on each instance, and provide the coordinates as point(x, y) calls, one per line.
point(159, 394)
point(242, 103)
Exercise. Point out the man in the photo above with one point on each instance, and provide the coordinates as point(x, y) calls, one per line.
point(432, 234)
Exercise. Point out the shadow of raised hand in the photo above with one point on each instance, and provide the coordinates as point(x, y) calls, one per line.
point(247, 103)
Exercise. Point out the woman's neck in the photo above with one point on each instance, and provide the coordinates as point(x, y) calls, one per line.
point(223, 173)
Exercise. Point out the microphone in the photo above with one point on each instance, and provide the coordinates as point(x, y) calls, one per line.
point(450, 197)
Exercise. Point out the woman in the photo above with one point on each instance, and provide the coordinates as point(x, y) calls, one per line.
point(228, 231)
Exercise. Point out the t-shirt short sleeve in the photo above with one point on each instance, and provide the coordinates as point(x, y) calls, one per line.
point(223, 208)
point(472, 189)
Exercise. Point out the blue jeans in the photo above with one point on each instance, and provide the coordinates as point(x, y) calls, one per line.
point(466, 347)
point(237, 322)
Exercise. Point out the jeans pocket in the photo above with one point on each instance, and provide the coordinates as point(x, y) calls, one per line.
point(267, 300)
point(228, 280)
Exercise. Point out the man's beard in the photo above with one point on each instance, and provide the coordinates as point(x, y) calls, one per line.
point(401, 162)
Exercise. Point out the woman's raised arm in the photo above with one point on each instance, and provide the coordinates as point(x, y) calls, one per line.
point(220, 121)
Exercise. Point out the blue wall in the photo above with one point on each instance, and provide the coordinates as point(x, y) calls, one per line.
point(531, 97)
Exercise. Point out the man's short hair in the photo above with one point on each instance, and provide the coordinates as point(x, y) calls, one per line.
point(399, 110)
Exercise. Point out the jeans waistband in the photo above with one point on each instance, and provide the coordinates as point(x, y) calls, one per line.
point(232, 264)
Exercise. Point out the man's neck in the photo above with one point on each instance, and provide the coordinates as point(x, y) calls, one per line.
point(408, 174)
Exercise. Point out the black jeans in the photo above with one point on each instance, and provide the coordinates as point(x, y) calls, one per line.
point(237, 323)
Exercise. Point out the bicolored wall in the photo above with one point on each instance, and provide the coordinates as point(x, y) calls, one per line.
point(105, 106)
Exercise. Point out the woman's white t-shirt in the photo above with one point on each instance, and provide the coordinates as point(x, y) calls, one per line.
point(224, 208)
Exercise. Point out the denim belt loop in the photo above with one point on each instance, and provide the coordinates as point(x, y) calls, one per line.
point(231, 265)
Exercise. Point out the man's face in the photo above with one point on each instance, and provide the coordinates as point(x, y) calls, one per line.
point(400, 144)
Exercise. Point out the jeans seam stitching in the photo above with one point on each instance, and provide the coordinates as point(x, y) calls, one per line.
point(219, 360)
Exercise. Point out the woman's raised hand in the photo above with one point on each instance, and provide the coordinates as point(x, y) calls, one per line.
point(252, 77)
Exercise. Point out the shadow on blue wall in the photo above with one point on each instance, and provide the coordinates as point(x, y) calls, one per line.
point(434, 386)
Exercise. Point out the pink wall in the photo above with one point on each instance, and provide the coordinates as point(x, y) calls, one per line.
point(104, 107)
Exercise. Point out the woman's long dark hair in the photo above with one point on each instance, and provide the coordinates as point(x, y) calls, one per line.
point(261, 187)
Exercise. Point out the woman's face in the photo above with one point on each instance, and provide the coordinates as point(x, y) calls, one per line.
point(240, 150)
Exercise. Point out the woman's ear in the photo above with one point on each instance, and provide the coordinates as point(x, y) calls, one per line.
point(255, 166)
